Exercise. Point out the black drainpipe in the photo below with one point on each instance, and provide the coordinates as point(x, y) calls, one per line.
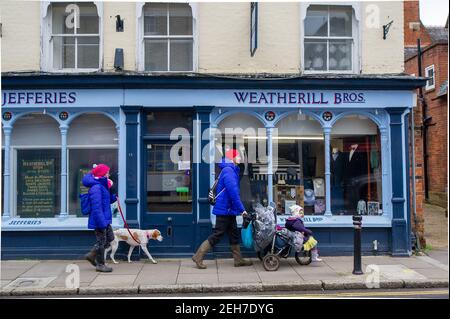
point(425, 121)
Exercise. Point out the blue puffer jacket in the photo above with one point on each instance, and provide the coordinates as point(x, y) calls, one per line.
point(100, 199)
point(229, 201)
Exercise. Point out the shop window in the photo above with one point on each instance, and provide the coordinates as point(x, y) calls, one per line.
point(38, 183)
point(168, 37)
point(75, 36)
point(92, 139)
point(36, 173)
point(429, 73)
point(329, 38)
point(169, 179)
point(355, 164)
point(299, 169)
point(247, 135)
point(162, 123)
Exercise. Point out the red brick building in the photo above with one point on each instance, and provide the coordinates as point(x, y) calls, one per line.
point(431, 113)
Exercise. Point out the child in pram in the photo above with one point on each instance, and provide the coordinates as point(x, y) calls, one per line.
point(295, 223)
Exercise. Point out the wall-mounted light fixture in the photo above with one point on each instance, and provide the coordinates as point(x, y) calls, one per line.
point(119, 24)
point(386, 28)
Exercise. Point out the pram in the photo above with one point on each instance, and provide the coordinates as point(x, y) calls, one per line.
point(271, 244)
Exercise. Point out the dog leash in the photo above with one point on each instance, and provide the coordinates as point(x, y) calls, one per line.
point(125, 223)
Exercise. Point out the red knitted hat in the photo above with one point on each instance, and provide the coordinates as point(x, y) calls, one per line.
point(100, 170)
point(231, 154)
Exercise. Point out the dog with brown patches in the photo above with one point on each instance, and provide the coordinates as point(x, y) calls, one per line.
point(143, 236)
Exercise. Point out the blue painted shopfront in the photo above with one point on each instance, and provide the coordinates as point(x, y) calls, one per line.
point(127, 101)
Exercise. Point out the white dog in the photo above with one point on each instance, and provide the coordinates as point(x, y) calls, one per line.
point(143, 236)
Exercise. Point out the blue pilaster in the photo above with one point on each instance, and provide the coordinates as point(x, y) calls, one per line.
point(7, 173)
point(400, 232)
point(203, 227)
point(132, 115)
point(63, 130)
point(326, 133)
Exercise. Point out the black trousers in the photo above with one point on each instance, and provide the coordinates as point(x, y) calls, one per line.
point(225, 225)
point(103, 237)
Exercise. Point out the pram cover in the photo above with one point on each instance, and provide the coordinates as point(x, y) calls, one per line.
point(264, 226)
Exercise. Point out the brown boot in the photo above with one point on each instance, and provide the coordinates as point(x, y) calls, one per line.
point(201, 252)
point(91, 256)
point(238, 260)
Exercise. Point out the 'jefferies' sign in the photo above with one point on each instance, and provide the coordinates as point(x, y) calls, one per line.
point(38, 98)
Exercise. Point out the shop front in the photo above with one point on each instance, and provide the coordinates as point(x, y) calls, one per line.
point(336, 146)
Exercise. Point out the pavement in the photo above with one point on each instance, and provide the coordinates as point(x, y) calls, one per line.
point(436, 227)
point(179, 276)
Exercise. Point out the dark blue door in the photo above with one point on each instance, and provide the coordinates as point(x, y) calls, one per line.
point(168, 198)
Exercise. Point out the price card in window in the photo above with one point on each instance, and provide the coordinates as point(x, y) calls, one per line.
point(184, 165)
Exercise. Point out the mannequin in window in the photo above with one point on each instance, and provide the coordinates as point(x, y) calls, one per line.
point(356, 168)
point(337, 169)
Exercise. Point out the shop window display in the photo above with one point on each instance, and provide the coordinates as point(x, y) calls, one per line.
point(247, 135)
point(92, 139)
point(355, 164)
point(299, 168)
point(36, 173)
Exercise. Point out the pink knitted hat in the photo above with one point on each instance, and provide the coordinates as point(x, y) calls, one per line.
point(100, 170)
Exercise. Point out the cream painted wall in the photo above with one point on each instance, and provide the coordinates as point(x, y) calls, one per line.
point(21, 38)
point(378, 55)
point(125, 40)
point(224, 36)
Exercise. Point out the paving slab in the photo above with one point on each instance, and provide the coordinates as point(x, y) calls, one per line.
point(413, 262)
point(400, 272)
point(197, 279)
point(47, 268)
point(149, 278)
point(189, 267)
point(237, 277)
point(110, 280)
point(440, 255)
point(13, 269)
point(433, 273)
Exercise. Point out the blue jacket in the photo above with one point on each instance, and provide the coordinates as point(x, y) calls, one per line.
point(229, 201)
point(100, 199)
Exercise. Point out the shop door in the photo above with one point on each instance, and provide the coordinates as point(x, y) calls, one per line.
point(167, 197)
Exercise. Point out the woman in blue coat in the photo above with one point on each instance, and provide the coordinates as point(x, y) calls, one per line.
point(228, 206)
point(100, 217)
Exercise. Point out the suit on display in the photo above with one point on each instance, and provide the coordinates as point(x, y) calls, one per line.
point(337, 169)
point(355, 170)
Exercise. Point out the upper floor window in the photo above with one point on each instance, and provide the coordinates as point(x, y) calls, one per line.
point(329, 39)
point(168, 37)
point(429, 73)
point(74, 36)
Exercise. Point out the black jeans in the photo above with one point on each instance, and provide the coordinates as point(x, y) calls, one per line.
point(225, 224)
point(104, 237)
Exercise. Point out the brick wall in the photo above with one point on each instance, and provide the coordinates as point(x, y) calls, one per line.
point(413, 28)
point(437, 147)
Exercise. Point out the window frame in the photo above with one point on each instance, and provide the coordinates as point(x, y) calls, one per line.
point(75, 147)
point(14, 180)
point(356, 36)
point(433, 86)
point(47, 38)
point(140, 48)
